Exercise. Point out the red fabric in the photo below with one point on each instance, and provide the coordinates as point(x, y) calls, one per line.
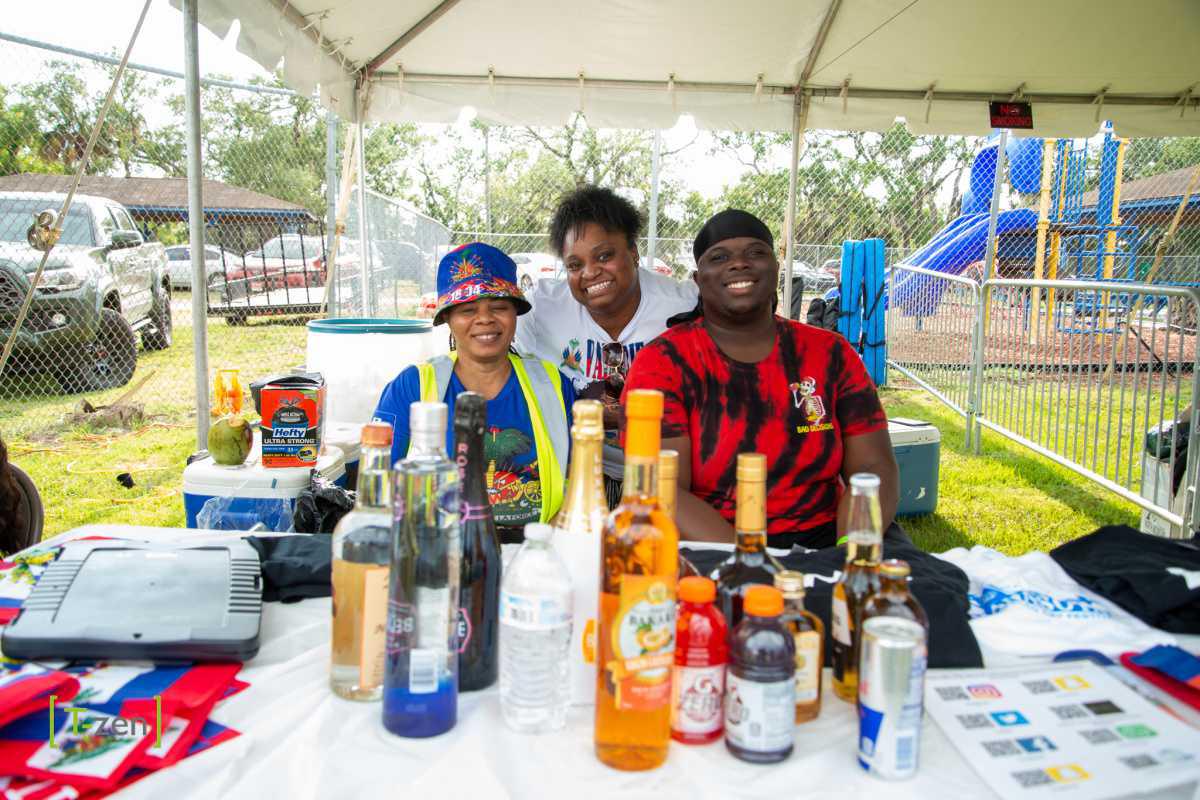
point(1177, 689)
point(795, 407)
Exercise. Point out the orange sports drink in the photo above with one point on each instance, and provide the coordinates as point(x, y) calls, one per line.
point(635, 639)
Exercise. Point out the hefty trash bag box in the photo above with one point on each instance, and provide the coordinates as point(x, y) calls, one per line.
point(293, 416)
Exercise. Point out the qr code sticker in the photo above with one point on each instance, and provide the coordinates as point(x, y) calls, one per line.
point(1040, 687)
point(1069, 712)
point(974, 721)
point(1099, 736)
point(1002, 747)
point(1140, 761)
point(952, 693)
point(1030, 778)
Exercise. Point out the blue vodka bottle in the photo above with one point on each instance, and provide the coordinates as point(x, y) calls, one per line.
point(420, 693)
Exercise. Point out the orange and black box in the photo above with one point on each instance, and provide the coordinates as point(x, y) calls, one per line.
point(293, 420)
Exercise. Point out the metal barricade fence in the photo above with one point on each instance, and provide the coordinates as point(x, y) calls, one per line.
point(931, 327)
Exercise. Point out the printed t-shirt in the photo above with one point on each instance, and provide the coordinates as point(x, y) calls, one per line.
point(794, 407)
point(513, 478)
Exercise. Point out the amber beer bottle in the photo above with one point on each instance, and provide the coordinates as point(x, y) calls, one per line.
point(668, 498)
point(635, 639)
point(860, 579)
point(750, 563)
point(893, 598)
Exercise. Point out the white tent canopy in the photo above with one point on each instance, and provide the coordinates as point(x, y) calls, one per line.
point(739, 65)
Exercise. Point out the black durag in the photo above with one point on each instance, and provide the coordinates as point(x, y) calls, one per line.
point(731, 223)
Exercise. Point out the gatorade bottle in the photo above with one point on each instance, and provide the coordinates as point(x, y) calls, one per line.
point(700, 656)
point(760, 695)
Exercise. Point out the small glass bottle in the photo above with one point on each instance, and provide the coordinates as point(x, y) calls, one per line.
point(420, 692)
point(808, 633)
point(760, 684)
point(750, 563)
point(860, 579)
point(893, 599)
point(362, 543)
point(701, 653)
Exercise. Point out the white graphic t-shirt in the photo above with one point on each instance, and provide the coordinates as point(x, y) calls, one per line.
point(560, 330)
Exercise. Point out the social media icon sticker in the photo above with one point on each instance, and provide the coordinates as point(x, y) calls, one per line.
point(1036, 744)
point(984, 691)
point(1071, 683)
point(1068, 773)
point(1008, 719)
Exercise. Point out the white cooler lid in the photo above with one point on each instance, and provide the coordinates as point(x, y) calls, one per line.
point(252, 479)
point(346, 436)
point(905, 432)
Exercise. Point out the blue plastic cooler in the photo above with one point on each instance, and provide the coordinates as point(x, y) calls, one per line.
point(918, 447)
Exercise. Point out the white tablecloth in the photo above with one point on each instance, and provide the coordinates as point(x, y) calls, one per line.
point(300, 741)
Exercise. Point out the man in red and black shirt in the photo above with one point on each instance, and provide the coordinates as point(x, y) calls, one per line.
point(736, 378)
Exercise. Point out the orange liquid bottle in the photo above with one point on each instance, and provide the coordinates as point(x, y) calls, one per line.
point(635, 639)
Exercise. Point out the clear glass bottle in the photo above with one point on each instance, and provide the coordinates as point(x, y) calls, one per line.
point(579, 527)
point(420, 694)
point(535, 627)
point(668, 498)
point(362, 543)
point(808, 632)
point(479, 589)
point(750, 562)
point(893, 599)
point(635, 640)
point(860, 579)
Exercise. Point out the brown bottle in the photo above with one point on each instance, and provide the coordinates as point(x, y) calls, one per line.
point(893, 598)
point(808, 632)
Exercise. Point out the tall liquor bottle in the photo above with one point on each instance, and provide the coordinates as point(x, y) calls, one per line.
point(362, 543)
point(750, 563)
point(479, 588)
point(668, 498)
point(578, 527)
point(860, 579)
point(636, 632)
point(420, 692)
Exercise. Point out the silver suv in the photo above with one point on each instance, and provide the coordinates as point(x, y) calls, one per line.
point(102, 283)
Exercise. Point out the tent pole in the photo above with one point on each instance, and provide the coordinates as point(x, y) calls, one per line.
point(191, 49)
point(360, 107)
point(331, 194)
point(799, 121)
point(652, 230)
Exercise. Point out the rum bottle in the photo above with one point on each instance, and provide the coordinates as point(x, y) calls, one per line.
point(579, 527)
point(893, 599)
point(420, 691)
point(361, 556)
point(750, 563)
point(808, 633)
point(860, 579)
point(635, 639)
point(479, 587)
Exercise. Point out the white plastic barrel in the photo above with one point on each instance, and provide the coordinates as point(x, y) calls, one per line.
point(359, 357)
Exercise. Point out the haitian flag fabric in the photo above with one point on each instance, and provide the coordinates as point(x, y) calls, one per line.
point(26, 688)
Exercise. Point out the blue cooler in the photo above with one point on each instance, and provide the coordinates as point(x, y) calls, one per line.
point(918, 449)
point(250, 483)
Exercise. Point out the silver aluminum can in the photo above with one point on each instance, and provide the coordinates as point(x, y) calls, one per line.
point(891, 690)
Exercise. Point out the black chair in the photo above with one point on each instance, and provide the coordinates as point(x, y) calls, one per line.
point(30, 506)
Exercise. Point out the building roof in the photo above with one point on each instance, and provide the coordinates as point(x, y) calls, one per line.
point(167, 196)
point(1165, 186)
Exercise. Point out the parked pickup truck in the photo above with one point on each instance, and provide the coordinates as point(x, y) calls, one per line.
point(102, 283)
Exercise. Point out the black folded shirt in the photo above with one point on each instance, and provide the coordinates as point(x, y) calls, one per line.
point(294, 567)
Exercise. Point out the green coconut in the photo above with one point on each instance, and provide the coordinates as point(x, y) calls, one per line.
point(229, 441)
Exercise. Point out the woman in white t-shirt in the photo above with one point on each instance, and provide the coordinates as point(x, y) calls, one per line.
point(593, 324)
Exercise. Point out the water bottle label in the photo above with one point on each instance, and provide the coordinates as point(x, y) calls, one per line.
point(759, 716)
point(532, 613)
point(697, 704)
point(422, 671)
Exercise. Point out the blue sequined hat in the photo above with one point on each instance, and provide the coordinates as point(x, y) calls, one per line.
point(473, 271)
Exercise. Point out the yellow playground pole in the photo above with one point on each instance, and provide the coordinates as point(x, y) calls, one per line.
point(1043, 226)
point(1110, 238)
point(1056, 238)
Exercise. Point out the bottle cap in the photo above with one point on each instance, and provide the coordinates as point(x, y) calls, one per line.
point(895, 568)
point(763, 601)
point(644, 404)
point(377, 434)
point(864, 480)
point(789, 582)
point(668, 464)
point(695, 589)
point(751, 467)
point(588, 416)
point(538, 532)
point(427, 417)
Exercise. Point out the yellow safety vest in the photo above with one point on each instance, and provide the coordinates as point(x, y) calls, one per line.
point(541, 386)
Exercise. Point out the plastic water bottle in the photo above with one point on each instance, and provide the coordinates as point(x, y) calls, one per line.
point(535, 636)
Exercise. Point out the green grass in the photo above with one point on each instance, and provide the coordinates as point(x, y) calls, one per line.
point(1007, 497)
